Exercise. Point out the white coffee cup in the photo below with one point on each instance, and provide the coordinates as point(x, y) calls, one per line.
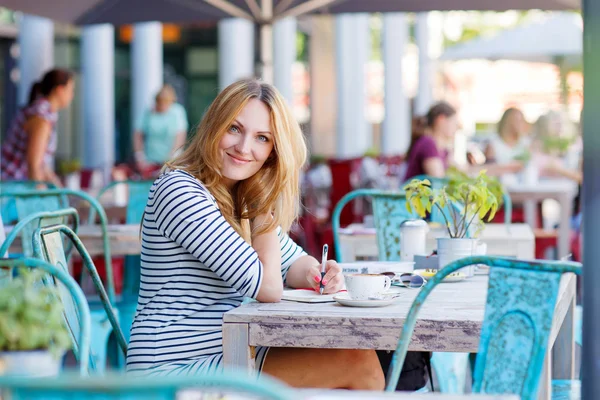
point(365, 286)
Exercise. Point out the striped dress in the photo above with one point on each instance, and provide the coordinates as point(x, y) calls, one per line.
point(194, 268)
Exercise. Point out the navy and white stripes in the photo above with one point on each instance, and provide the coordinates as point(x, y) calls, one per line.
point(194, 268)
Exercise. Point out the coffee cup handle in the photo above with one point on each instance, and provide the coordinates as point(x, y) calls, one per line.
point(388, 283)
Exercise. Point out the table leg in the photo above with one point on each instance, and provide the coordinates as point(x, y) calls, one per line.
point(563, 351)
point(545, 386)
point(564, 230)
point(530, 213)
point(237, 353)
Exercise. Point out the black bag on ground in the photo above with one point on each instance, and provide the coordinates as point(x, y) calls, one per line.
point(415, 371)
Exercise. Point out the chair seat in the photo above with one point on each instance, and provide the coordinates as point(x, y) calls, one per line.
point(566, 390)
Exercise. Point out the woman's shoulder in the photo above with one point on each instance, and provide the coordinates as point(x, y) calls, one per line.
point(41, 108)
point(178, 180)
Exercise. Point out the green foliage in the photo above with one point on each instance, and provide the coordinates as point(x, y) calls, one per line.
point(472, 194)
point(31, 315)
point(456, 176)
point(557, 145)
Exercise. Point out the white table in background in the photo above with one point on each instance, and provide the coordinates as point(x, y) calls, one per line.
point(514, 240)
point(562, 190)
point(124, 239)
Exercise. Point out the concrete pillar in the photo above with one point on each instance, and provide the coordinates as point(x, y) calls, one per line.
point(284, 43)
point(396, 124)
point(354, 134)
point(146, 67)
point(98, 96)
point(425, 91)
point(236, 50)
point(323, 96)
point(36, 43)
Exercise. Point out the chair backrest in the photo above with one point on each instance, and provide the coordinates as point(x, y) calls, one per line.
point(137, 197)
point(7, 204)
point(142, 388)
point(48, 246)
point(30, 222)
point(76, 311)
point(518, 317)
point(389, 211)
point(58, 195)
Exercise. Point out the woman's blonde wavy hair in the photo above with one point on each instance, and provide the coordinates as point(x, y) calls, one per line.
point(275, 188)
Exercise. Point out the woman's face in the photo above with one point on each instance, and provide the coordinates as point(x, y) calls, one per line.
point(163, 104)
point(65, 93)
point(247, 143)
point(447, 125)
point(517, 123)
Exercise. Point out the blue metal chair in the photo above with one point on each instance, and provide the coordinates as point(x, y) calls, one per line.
point(48, 245)
point(28, 202)
point(28, 224)
point(137, 192)
point(123, 387)
point(518, 318)
point(389, 209)
point(76, 310)
point(7, 205)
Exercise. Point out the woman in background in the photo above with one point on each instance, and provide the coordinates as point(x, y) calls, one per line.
point(510, 143)
point(160, 132)
point(432, 138)
point(28, 151)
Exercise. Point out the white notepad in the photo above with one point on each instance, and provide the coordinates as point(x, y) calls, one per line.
point(307, 296)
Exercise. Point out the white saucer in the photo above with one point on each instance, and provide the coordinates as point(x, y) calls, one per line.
point(345, 300)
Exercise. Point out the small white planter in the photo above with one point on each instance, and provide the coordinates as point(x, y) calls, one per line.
point(450, 249)
point(39, 363)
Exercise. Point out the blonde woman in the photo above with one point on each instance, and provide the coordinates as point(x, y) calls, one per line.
point(160, 132)
point(214, 232)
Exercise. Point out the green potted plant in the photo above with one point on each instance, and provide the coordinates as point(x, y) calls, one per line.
point(33, 335)
point(463, 205)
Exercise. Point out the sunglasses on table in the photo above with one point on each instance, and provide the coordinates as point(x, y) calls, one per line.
point(408, 280)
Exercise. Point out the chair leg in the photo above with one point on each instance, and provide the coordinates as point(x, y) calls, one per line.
point(101, 330)
point(451, 371)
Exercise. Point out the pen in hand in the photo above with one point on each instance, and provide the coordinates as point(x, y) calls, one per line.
point(323, 262)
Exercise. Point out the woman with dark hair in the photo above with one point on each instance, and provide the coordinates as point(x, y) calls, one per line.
point(432, 136)
point(28, 151)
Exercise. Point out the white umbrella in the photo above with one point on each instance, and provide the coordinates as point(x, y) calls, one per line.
point(556, 39)
point(262, 12)
point(558, 35)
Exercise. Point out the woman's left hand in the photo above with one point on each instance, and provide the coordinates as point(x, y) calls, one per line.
point(333, 279)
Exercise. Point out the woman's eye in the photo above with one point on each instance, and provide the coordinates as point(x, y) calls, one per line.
point(263, 138)
point(234, 129)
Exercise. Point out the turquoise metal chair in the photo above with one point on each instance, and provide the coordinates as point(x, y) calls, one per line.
point(48, 245)
point(76, 310)
point(7, 205)
point(518, 317)
point(33, 201)
point(389, 209)
point(137, 192)
point(28, 224)
point(123, 387)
